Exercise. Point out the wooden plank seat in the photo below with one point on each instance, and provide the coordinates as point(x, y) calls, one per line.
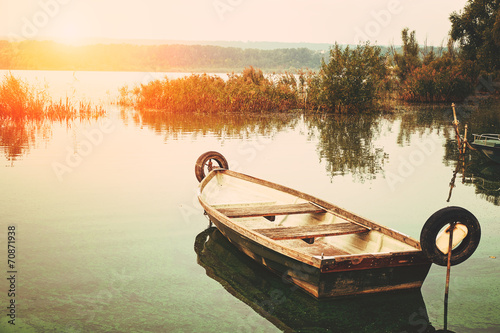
point(309, 232)
point(271, 210)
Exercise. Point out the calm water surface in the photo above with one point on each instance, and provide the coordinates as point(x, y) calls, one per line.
point(110, 237)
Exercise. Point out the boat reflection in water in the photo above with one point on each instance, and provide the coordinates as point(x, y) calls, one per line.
point(290, 309)
point(472, 169)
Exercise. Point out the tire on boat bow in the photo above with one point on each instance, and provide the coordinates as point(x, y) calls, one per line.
point(437, 226)
point(205, 164)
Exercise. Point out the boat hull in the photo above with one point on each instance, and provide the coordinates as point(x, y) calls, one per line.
point(323, 249)
point(266, 295)
point(371, 275)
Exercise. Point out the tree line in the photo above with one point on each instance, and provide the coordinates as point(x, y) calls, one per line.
point(49, 55)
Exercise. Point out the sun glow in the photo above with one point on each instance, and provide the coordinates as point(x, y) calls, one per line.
point(71, 21)
point(69, 32)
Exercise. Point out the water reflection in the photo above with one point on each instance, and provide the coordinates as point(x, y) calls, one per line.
point(472, 167)
point(17, 137)
point(486, 178)
point(221, 124)
point(346, 143)
point(484, 175)
point(289, 309)
point(424, 119)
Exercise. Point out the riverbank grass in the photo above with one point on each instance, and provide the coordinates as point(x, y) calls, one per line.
point(19, 100)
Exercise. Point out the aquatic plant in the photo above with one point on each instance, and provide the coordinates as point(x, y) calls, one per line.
point(19, 100)
point(249, 91)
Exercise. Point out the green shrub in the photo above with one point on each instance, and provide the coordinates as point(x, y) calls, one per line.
point(352, 80)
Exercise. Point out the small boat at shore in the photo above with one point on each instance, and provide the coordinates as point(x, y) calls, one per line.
point(325, 250)
point(489, 144)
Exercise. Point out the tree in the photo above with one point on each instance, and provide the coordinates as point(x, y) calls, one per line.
point(353, 78)
point(477, 29)
point(410, 58)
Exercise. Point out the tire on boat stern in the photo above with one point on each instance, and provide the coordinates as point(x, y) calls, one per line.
point(206, 161)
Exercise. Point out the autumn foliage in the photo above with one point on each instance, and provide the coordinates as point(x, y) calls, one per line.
point(20, 101)
point(423, 76)
point(431, 83)
point(249, 91)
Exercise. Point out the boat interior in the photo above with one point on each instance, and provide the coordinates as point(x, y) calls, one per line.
point(294, 222)
point(488, 140)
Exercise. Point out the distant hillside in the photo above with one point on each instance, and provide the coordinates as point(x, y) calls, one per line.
point(48, 55)
point(261, 45)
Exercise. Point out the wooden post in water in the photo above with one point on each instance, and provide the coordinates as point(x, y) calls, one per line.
point(455, 125)
point(448, 269)
point(464, 144)
point(452, 182)
point(455, 121)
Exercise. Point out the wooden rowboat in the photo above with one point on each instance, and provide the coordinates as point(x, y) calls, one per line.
point(324, 249)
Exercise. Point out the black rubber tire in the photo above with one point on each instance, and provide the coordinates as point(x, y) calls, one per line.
point(435, 224)
point(204, 160)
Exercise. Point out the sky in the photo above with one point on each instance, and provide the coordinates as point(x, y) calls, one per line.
point(311, 21)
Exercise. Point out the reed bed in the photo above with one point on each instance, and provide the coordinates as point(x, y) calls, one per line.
point(248, 91)
point(20, 101)
point(368, 85)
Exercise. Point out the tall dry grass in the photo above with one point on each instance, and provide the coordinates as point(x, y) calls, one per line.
point(248, 91)
point(21, 101)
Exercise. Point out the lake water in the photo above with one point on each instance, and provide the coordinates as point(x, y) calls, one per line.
point(110, 237)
